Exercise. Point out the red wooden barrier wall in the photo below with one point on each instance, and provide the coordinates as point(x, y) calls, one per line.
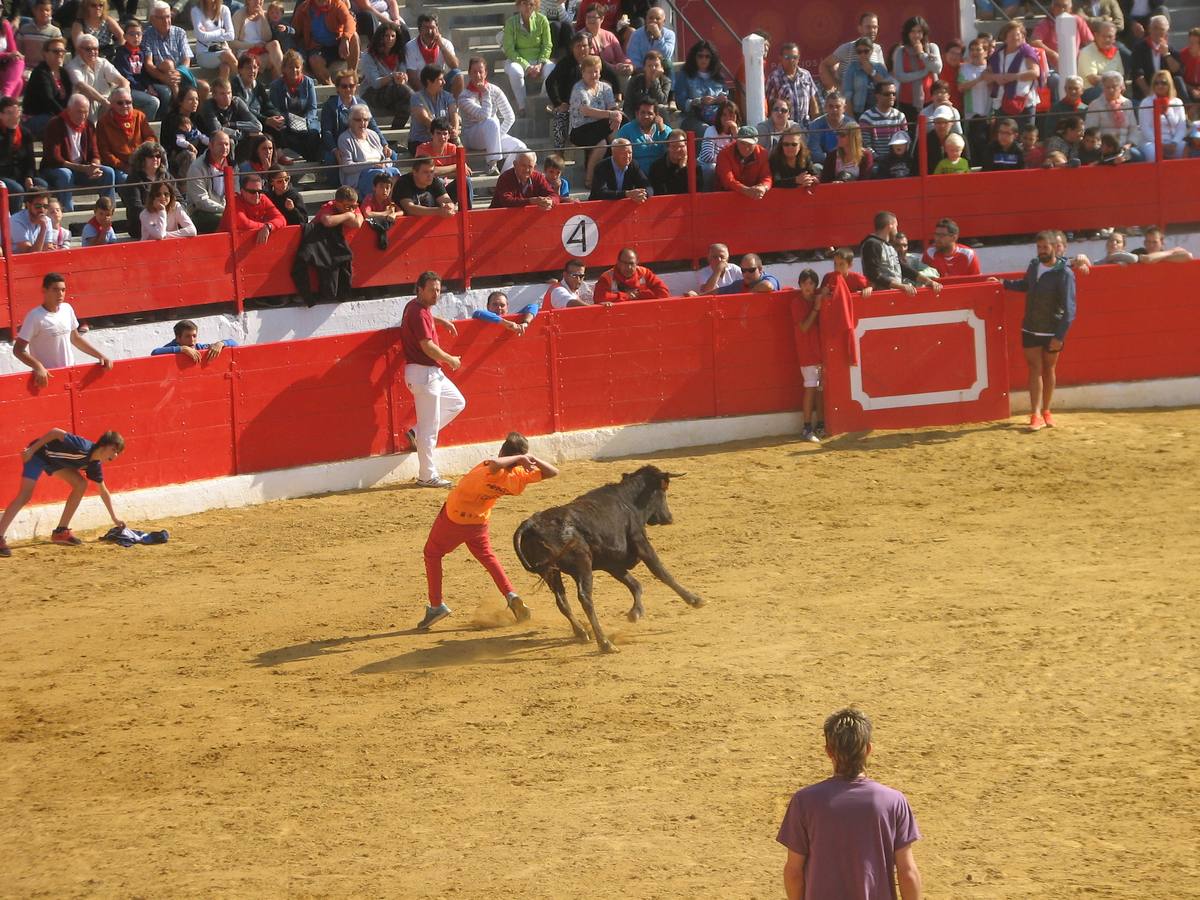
point(133, 277)
point(274, 406)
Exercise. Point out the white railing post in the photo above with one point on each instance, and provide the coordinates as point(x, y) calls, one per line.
point(1068, 50)
point(756, 84)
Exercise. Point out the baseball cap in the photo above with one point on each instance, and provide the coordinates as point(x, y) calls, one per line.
point(900, 137)
point(747, 133)
point(943, 112)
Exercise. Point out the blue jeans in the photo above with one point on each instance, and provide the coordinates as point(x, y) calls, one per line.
point(15, 188)
point(69, 178)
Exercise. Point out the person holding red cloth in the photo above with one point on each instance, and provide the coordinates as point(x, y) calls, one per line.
point(629, 281)
point(464, 518)
point(744, 165)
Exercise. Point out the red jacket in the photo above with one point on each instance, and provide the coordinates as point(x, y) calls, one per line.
point(251, 217)
point(611, 289)
point(733, 172)
point(338, 19)
point(56, 149)
point(508, 192)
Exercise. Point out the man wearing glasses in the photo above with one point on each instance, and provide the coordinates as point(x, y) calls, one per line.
point(120, 131)
point(254, 212)
point(93, 76)
point(31, 228)
point(754, 279)
point(840, 59)
point(795, 85)
point(947, 255)
point(572, 290)
point(779, 120)
point(71, 155)
point(882, 121)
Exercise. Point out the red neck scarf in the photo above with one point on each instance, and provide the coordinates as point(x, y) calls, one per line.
point(125, 121)
point(479, 89)
point(1109, 53)
point(392, 61)
point(78, 129)
point(17, 137)
point(429, 54)
point(293, 88)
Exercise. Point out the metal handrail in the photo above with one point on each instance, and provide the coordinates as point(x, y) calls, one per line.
point(721, 19)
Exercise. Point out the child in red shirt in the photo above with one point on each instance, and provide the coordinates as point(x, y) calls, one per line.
point(464, 520)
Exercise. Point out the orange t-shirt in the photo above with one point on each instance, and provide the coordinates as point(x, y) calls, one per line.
point(471, 501)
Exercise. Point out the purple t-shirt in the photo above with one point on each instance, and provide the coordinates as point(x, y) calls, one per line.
point(849, 832)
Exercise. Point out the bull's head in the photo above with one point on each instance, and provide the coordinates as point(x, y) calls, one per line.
point(652, 494)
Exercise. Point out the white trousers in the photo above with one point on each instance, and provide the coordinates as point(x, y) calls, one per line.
point(486, 136)
point(437, 401)
point(516, 80)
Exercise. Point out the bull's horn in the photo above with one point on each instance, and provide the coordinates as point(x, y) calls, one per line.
point(674, 474)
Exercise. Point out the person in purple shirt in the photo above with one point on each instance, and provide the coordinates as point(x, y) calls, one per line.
point(848, 836)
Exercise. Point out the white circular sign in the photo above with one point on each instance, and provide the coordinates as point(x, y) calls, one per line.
point(580, 235)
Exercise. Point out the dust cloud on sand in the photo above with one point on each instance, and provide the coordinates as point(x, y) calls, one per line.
point(248, 710)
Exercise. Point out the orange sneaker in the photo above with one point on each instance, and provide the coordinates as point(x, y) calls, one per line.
point(1047, 418)
point(64, 536)
point(1036, 422)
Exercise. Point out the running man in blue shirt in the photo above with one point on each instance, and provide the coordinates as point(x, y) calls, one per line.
point(76, 461)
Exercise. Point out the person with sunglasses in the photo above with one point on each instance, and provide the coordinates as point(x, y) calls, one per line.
point(789, 82)
point(255, 213)
point(834, 66)
point(779, 119)
point(882, 121)
point(755, 279)
point(48, 88)
point(120, 131)
point(147, 167)
point(31, 227)
point(863, 77)
point(571, 289)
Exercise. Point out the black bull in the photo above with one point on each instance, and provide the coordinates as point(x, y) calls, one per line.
point(604, 529)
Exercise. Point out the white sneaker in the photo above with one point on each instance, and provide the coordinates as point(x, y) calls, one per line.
point(437, 481)
point(433, 614)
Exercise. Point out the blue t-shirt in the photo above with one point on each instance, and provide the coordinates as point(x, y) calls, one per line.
point(71, 452)
point(739, 287)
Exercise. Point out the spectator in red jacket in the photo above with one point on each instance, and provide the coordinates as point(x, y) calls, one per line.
point(253, 211)
point(744, 165)
point(333, 41)
point(70, 154)
point(120, 131)
point(524, 185)
point(628, 281)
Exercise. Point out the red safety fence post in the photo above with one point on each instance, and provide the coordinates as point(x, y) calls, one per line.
point(231, 216)
point(552, 364)
point(464, 237)
point(926, 231)
point(231, 375)
point(692, 161)
point(1160, 109)
point(6, 242)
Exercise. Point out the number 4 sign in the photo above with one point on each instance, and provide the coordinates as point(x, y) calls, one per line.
point(580, 235)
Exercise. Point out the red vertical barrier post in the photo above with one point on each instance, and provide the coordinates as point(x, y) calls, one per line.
point(239, 295)
point(926, 231)
point(6, 243)
point(464, 238)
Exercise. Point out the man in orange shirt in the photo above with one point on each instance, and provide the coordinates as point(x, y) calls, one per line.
point(464, 520)
point(629, 281)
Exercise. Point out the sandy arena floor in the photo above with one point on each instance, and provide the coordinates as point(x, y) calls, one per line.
point(247, 712)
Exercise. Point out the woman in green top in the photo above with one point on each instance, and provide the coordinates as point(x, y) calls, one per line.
point(527, 48)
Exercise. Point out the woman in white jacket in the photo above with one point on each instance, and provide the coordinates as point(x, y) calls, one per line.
point(1174, 118)
point(213, 25)
point(487, 117)
point(164, 217)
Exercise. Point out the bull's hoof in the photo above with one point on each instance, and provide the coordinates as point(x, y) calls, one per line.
point(608, 647)
point(582, 636)
point(695, 601)
point(634, 614)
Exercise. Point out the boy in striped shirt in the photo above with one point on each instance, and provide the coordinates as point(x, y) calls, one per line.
point(76, 461)
point(464, 520)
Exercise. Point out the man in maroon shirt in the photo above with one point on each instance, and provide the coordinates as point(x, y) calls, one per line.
point(436, 399)
point(524, 185)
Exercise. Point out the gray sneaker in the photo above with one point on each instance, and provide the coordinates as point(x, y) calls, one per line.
point(433, 614)
point(810, 437)
point(437, 481)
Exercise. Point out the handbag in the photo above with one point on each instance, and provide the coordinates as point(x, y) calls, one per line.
point(1013, 106)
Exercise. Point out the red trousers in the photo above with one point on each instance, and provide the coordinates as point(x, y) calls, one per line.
point(446, 536)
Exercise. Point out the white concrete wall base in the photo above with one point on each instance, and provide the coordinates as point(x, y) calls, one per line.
point(1123, 395)
point(142, 506)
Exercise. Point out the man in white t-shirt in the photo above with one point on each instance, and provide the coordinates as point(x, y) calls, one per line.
point(572, 290)
point(719, 272)
point(833, 65)
point(49, 331)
